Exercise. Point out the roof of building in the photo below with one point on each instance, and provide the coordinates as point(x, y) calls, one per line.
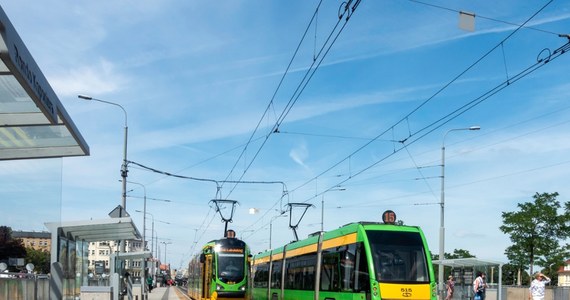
point(31, 234)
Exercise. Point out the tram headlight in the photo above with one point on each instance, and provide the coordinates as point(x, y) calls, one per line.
point(219, 287)
point(242, 288)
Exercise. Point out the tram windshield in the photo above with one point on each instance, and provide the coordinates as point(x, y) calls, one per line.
point(398, 256)
point(230, 267)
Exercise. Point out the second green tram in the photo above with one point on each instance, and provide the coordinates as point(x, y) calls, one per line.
point(362, 260)
point(220, 271)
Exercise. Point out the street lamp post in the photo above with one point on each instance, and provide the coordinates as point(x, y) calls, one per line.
point(152, 242)
point(151, 229)
point(323, 205)
point(442, 208)
point(144, 213)
point(166, 243)
point(143, 276)
point(271, 226)
point(124, 170)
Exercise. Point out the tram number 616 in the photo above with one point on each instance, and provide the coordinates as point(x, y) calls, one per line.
point(406, 292)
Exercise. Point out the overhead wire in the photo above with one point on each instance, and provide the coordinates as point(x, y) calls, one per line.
point(290, 104)
point(332, 136)
point(205, 160)
point(270, 104)
point(448, 117)
point(304, 82)
point(361, 204)
point(483, 17)
point(454, 114)
point(444, 120)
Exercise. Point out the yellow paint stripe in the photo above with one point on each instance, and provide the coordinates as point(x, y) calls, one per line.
point(277, 256)
point(340, 241)
point(274, 257)
point(261, 260)
point(335, 242)
point(300, 251)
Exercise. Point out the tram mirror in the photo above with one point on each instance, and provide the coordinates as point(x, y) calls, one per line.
point(202, 258)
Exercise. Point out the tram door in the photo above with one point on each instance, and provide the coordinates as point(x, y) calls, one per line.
point(207, 277)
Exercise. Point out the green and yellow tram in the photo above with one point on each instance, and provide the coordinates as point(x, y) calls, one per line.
point(362, 260)
point(220, 271)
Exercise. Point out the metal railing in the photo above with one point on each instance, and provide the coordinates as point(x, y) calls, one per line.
point(23, 286)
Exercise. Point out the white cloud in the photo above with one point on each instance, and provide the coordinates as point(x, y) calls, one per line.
point(299, 154)
point(102, 77)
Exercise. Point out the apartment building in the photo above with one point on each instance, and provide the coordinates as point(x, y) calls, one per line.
point(100, 257)
point(564, 274)
point(35, 240)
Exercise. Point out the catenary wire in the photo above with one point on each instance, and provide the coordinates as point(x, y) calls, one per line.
point(423, 104)
point(276, 90)
point(458, 112)
point(302, 85)
point(482, 17)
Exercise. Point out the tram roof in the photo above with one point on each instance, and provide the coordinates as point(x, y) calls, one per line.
point(33, 122)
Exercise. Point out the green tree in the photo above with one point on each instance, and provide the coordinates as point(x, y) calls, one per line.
point(511, 274)
point(457, 253)
point(10, 247)
point(40, 259)
point(536, 231)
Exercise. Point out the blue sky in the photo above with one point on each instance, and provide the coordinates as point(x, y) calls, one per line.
point(196, 78)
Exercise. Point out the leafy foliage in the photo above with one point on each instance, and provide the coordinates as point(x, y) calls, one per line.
point(536, 231)
point(457, 253)
point(40, 259)
point(10, 247)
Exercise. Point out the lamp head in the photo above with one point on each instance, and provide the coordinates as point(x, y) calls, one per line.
point(84, 97)
point(477, 127)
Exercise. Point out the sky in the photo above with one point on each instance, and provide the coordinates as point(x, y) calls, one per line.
point(299, 106)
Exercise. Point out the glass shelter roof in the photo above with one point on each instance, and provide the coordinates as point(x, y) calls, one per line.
point(33, 122)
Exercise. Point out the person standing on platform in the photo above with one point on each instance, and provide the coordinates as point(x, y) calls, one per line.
point(450, 285)
point(149, 283)
point(538, 287)
point(479, 286)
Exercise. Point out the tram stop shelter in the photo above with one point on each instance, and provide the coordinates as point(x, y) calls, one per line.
point(464, 270)
point(69, 253)
point(33, 122)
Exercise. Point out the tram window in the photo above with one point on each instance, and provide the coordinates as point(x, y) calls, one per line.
point(345, 269)
point(230, 267)
point(300, 274)
point(261, 275)
point(276, 274)
point(398, 256)
point(361, 275)
point(330, 271)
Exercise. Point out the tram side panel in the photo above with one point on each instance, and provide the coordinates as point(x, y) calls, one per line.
point(357, 261)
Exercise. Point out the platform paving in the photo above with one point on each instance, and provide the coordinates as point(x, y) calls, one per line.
point(167, 293)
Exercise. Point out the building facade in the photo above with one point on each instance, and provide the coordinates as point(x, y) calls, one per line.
point(100, 257)
point(564, 274)
point(35, 240)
